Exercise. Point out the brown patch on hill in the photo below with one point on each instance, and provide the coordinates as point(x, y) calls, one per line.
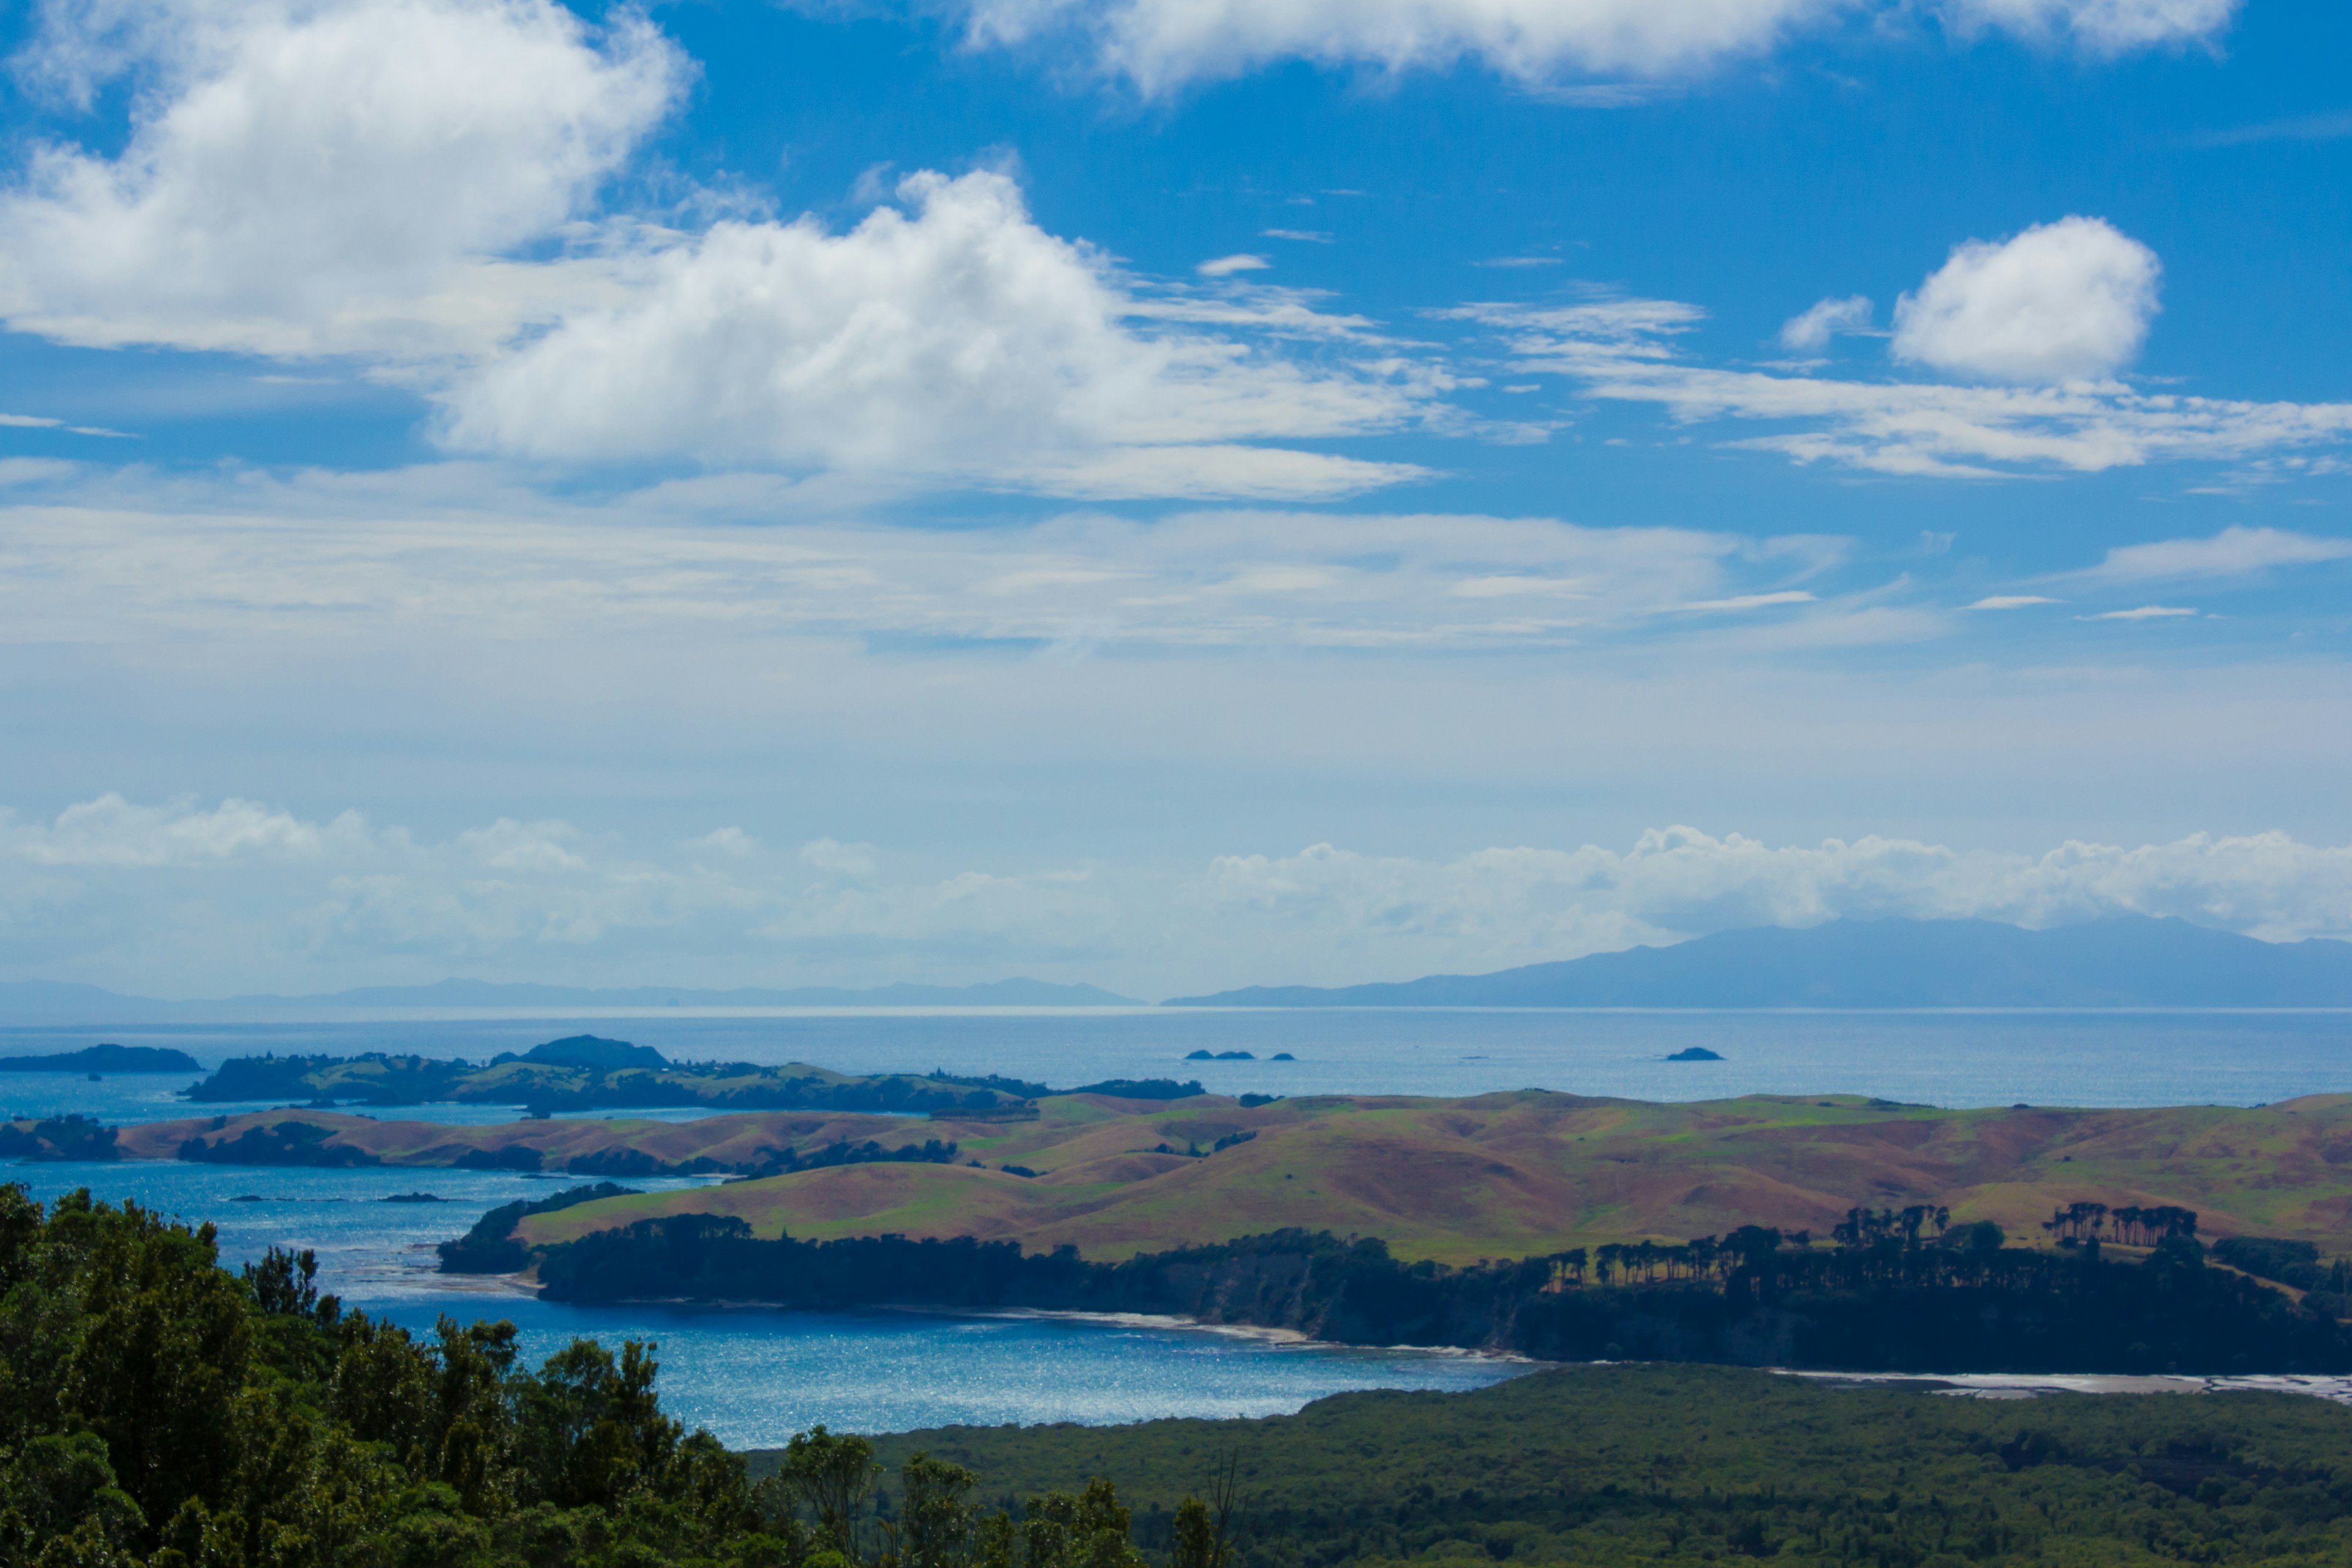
point(1498, 1175)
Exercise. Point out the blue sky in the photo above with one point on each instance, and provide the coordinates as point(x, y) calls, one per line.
point(1167, 492)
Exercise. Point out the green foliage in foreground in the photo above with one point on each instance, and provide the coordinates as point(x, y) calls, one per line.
point(156, 1409)
point(1659, 1464)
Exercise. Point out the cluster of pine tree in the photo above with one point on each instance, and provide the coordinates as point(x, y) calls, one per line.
point(157, 1409)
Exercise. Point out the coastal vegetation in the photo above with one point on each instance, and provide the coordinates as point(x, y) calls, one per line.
point(1624, 1465)
point(164, 1412)
point(1887, 1295)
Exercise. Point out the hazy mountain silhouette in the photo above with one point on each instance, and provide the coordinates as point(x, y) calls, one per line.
point(2129, 961)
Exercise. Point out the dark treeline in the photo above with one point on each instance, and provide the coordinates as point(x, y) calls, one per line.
point(557, 1085)
point(73, 1136)
point(107, 1059)
point(566, 1085)
point(1890, 1300)
point(160, 1412)
point(490, 1248)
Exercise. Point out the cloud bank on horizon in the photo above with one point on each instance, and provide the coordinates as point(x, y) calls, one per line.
point(240, 894)
point(1112, 438)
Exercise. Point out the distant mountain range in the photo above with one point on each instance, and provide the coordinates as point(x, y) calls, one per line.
point(55, 1001)
point(2129, 962)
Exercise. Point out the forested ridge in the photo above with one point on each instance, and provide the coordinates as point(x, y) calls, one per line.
point(1625, 1465)
point(157, 1409)
point(1889, 1297)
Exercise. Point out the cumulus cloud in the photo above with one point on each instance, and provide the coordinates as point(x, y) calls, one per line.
point(1625, 350)
point(110, 831)
point(1810, 331)
point(1226, 266)
point(1160, 46)
point(955, 339)
point(423, 185)
point(343, 177)
point(2061, 301)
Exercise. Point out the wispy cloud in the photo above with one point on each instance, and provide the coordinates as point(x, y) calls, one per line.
point(2145, 613)
point(2233, 552)
point(1226, 266)
point(1164, 45)
point(2011, 601)
point(2301, 128)
point(1626, 350)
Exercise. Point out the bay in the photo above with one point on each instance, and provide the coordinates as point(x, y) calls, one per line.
point(754, 1375)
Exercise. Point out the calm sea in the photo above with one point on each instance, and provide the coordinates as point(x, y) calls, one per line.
point(756, 1376)
point(1932, 1059)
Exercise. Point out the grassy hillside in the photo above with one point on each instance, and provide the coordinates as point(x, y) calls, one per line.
point(1530, 1173)
point(1651, 1464)
point(1454, 1179)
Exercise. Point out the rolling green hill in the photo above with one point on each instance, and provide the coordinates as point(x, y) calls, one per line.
point(1499, 1176)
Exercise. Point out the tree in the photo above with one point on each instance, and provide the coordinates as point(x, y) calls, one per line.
point(1203, 1535)
point(1088, 1531)
point(831, 1476)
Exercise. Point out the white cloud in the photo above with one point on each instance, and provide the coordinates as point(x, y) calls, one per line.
point(2233, 552)
point(839, 860)
point(1625, 350)
point(1752, 601)
point(419, 183)
point(1160, 46)
point(110, 831)
point(308, 179)
point(957, 341)
point(1811, 333)
point(2061, 301)
point(2144, 613)
point(731, 842)
point(1226, 266)
point(331, 563)
point(2106, 26)
point(2011, 601)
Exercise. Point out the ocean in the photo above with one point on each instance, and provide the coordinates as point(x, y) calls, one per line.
point(1950, 1058)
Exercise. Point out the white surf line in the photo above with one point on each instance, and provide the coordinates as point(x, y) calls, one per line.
point(2031, 1385)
